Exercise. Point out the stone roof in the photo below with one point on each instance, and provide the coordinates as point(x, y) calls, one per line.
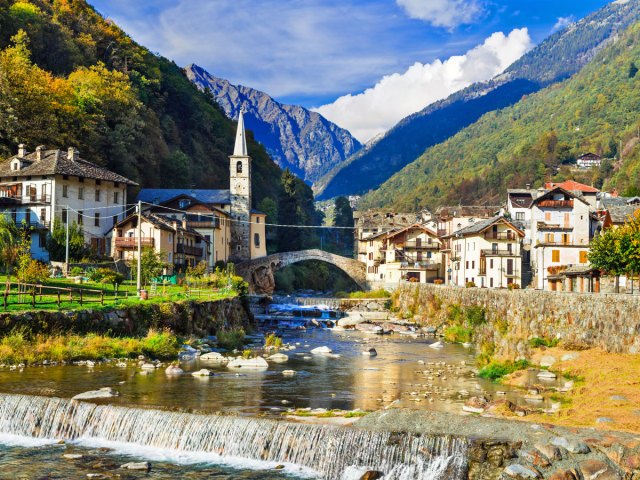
point(377, 218)
point(608, 202)
point(468, 211)
point(163, 195)
point(621, 214)
point(522, 198)
point(482, 225)
point(57, 162)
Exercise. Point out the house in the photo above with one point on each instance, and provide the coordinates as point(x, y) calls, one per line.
point(181, 246)
point(42, 187)
point(486, 253)
point(588, 193)
point(562, 225)
point(589, 160)
point(234, 231)
point(370, 223)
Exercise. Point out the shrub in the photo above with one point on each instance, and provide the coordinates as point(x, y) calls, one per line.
point(475, 315)
point(231, 339)
point(458, 334)
point(543, 342)
point(438, 281)
point(160, 344)
point(380, 293)
point(113, 278)
point(513, 286)
point(247, 353)
point(497, 370)
point(470, 284)
point(76, 271)
point(272, 340)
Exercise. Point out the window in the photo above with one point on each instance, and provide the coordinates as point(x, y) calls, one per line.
point(97, 195)
point(42, 240)
point(65, 191)
point(27, 217)
point(257, 219)
point(547, 217)
point(96, 220)
point(256, 239)
point(81, 193)
point(80, 216)
point(115, 220)
point(64, 215)
point(115, 197)
point(491, 263)
point(239, 167)
point(43, 215)
point(473, 264)
point(466, 264)
point(583, 257)
point(520, 216)
point(81, 179)
point(184, 203)
point(98, 182)
point(370, 256)
point(555, 255)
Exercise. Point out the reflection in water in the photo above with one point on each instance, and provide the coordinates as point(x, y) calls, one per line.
point(346, 380)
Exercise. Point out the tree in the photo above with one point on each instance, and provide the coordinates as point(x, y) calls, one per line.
point(57, 240)
point(9, 244)
point(606, 254)
point(29, 270)
point(343, 217)
point(151, 265)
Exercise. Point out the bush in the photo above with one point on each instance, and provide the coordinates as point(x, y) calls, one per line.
point(231, 339)
point(160, 344)
point(76, 272)
point(475, 315)
point(543, 342)
point(497, 370)
point(470, 284)
point(458, 334)
point(513, 286)
point(272, 340)
point(438, 281)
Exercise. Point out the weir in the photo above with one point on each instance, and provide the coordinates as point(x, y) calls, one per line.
point(325, 450)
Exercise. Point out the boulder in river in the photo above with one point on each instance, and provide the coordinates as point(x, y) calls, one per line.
point(370, 352)
point(289, 373)
point(146, 466)
point(106, 392)
point(370, 328)
point(436, 345)
point(173, 370)
point(202, 373)
point(257, 363)
point(213, 357)
point(278, 358)
point(321, 350)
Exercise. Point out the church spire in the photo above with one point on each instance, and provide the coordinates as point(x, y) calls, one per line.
point(240, 149)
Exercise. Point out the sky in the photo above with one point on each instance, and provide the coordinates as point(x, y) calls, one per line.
point(363, 64)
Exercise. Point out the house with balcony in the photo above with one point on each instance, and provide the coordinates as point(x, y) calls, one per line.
point(411, 254)
point(487, 253)
point(180, 245)
point(41, 187)
point(368, 224)
point(562, 226)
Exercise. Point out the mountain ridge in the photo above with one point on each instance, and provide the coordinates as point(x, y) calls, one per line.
point(295, 137)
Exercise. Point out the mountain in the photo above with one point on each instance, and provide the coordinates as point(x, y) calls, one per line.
point(555, 59)
point(295, 138)
point(536, 140)
point(69, 77)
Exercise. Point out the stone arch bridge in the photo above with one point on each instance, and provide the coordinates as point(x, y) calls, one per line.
point(259, 272)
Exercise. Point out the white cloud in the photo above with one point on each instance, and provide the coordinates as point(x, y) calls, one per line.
point(563, 22)
point(443, 13)
point(401, 94)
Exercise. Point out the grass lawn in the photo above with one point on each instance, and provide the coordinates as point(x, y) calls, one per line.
point(99, 295)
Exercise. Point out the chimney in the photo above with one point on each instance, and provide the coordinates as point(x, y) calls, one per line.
point(184, 222)
point(72, 154)
point(39, 150)
point(528, 186)
point(22, 150)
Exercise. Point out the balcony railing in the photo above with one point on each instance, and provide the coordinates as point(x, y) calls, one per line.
point(419, 266)
point(490, 252)
point(413, 245)
point(561, 243)
point(189, 250)
point(132, 242)
point(32, 224)
point(556, 204)
point(554, 226)
point(23, 199)
point(500, 236)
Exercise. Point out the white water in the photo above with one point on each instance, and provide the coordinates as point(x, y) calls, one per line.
point(320, 450)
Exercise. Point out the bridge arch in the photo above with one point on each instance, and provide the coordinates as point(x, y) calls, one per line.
point(259, 272)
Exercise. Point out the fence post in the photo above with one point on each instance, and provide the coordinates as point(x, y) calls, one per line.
point(80, 297)
point(102, 297)
point(33, 297)
point(58, 299)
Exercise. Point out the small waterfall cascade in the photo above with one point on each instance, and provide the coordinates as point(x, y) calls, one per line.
point(331, 452)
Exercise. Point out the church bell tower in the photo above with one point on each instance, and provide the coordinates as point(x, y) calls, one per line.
point(240, 189)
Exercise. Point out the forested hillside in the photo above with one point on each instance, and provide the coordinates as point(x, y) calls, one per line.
point(536, 139)
point(70, 77)
point(559, 56)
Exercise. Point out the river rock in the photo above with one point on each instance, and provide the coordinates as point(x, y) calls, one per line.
point(477, 402)
point(371, 475)
point(148, 366)
point(106, 392)
point(370, 352)
point(72, 456)
point(436, 345)
point(564, 475)
point(146, 466)
point(202, 373)
point(370, 328)
point(546, 375)
point(569, 356)
point(596, 469)
point(550, 451)
point(520, 472)
point(349, 322)
point(536, 458)
point(289, 373)
point(278, 358)
point(173, 370)
point(573, 446)
point(214, 357)
point(547, 360)
point(321, 350)
point(257, 363)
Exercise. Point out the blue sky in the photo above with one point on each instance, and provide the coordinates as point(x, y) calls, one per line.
point(311, 52)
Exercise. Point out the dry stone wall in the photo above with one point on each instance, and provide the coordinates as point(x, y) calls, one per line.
point(183, 318)
point(611, 322)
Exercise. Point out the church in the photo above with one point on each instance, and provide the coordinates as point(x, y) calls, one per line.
point(192, 225)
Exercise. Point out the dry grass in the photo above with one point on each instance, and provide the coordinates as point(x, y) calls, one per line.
point(605, 375)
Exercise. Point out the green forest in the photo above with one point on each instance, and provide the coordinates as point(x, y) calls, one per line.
point(69, 77)
point(536, 140)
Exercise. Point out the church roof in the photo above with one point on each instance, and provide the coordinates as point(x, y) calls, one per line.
point(240, 148)
point(162, 195)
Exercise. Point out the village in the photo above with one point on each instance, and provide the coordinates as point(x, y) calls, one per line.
point(538, 238)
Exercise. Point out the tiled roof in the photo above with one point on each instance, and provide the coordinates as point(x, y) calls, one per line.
point(522, 198)
point(56, 162)
point(573, 186)
point(163, 222)
point(162, 195)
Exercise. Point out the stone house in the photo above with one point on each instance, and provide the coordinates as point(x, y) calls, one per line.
point(486, 253)
point(42, 187)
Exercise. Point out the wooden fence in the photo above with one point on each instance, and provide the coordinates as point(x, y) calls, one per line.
point(30, 294)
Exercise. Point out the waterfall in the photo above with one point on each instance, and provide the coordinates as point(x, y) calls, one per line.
point(333, 303)
point(328, 451)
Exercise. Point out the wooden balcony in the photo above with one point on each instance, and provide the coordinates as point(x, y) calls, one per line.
point(556, 204)
point(490, 252)
point(11, 200)
point(189, 250)
point(500, 236)
point(413, 245)
point(554, 226)
point(132, 242)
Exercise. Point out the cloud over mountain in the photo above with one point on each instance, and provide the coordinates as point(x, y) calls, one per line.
point(398, 95)
point(443, 13)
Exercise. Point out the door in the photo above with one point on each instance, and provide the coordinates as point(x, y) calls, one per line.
point(510, 266)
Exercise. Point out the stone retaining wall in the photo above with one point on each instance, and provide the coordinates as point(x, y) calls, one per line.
point(611, 322)
point(183, 318)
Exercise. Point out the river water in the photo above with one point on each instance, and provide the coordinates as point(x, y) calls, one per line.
point(405, 373)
